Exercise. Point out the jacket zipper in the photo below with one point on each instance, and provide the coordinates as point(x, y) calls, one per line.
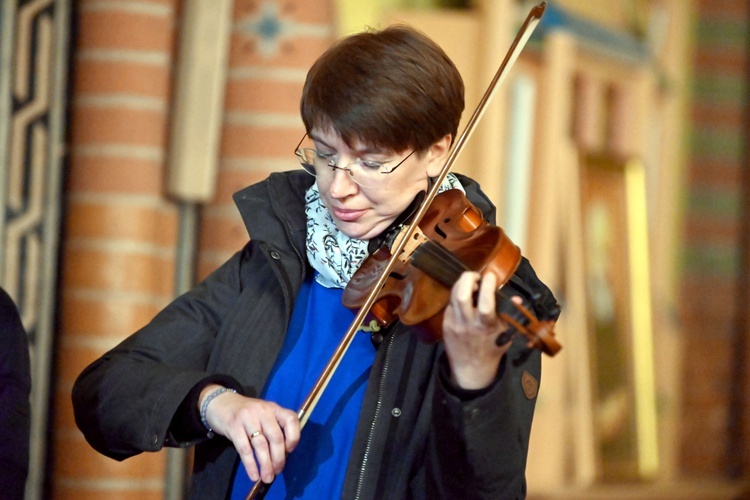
point(378, 405)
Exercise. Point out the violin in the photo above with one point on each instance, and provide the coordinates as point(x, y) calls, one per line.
point(451, 238)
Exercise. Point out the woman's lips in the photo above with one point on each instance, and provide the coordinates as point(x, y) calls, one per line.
point(347, 215)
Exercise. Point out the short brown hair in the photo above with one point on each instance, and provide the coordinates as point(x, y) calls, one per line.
point(393, 89)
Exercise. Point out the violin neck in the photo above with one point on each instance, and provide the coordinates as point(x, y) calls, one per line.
point(438, 263)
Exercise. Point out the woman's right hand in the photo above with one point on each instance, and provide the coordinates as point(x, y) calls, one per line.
point(262, 432)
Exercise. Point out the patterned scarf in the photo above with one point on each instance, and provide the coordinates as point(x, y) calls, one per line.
point(334, 255)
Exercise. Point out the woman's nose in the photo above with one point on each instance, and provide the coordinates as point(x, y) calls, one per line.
point(342, 184)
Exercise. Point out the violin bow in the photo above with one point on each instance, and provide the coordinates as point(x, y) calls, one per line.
point(308, 405)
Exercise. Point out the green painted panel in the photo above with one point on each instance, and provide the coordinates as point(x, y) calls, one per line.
point(716, 142)
point(721, 31)
point(712, 260)
point(722, 203)
point(721, 87)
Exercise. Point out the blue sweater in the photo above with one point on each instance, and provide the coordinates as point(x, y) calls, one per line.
point(316, 468)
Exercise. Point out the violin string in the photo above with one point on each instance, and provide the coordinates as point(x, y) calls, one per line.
point(442, 265)
point(438, 262)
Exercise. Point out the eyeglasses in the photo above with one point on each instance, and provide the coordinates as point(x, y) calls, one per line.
point(366, 173)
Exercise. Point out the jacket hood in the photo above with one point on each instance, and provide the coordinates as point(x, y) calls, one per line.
point(280, 197)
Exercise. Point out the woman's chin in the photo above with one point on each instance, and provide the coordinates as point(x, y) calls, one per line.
point(360, 231)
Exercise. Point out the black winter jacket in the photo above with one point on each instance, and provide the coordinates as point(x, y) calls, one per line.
point(417, 437)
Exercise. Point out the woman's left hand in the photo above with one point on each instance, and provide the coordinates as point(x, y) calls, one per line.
point(470, 331)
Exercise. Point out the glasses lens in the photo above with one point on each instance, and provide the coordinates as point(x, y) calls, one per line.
point(308, 158)
point(374, 174)
point(367, 174)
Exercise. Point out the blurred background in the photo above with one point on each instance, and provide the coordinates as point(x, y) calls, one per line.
point(615, 150)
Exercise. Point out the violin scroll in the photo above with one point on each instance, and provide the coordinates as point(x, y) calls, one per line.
point(538, 333)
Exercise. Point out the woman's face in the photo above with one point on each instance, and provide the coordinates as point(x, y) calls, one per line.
point(364, 213)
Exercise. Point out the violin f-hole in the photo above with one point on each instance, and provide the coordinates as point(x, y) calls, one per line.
point(440, 232)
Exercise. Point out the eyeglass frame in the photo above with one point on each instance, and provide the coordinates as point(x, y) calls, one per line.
point(331, 163)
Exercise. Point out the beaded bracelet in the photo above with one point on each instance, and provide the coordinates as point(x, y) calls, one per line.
point(204, 407)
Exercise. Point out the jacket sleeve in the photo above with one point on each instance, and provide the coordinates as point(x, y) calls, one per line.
point(478, 443)
point(125, 401)
point(477, 447)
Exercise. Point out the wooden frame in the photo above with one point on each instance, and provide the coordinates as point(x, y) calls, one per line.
point(615, 233)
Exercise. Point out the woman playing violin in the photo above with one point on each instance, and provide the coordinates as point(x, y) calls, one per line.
point(225, 366)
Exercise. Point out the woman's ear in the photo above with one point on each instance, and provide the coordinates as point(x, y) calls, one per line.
point(438, 154)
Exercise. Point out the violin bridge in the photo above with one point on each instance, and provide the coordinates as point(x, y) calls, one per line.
point(417, 239)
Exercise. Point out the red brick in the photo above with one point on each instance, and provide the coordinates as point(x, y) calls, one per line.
point(264, 95)
point(90, 465)
point(119, 125)
point(105, 174)
point(251, 141)
point(114, 77)
point(124, 221)
point(123, 30)
point(103, 270)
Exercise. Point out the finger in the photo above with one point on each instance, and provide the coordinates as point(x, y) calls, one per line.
point(245, 450)
point(289, 422)
point(262, 454)
point(277, 448)
point(486, 303)
point(462, 294)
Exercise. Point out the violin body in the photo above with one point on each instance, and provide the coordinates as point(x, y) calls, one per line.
point(452, 238)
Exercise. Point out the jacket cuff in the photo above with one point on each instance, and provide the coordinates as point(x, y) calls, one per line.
point(186, 423)
point(444, 373)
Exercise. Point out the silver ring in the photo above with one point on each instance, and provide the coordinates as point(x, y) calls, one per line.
point(255, 434)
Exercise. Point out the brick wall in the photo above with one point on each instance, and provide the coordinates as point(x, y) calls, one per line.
point(267, 67)
point(711, 234)
point(118, 262)
point(121, 230)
